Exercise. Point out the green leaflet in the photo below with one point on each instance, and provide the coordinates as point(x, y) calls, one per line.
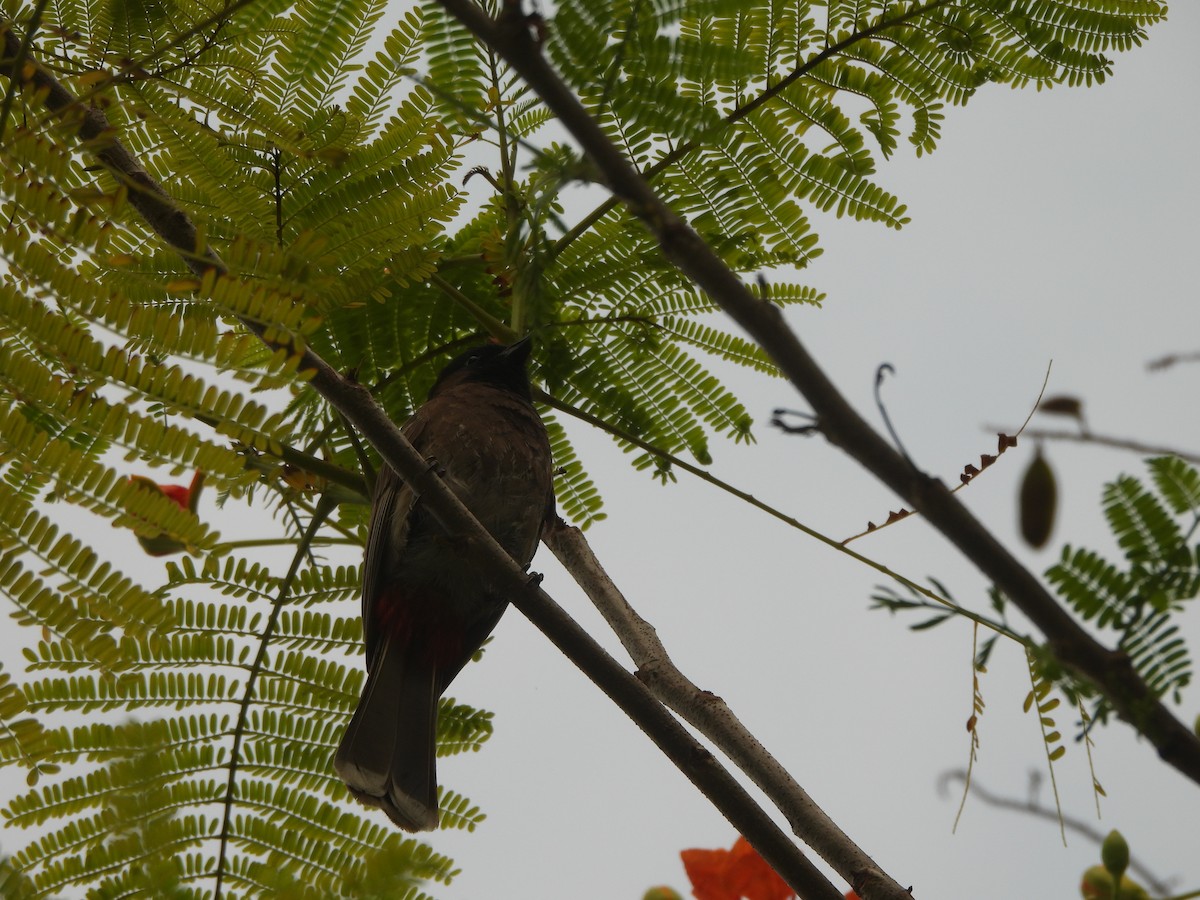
point(1138, 598)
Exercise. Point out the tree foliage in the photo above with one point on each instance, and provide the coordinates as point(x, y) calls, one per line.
point(320, 147)
point(1138, 599)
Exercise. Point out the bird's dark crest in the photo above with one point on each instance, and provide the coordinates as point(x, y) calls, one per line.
point(492, 364)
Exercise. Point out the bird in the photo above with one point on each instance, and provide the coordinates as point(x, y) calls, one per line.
point(426, 609)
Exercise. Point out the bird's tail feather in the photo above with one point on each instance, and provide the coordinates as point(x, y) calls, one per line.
point(387, 755)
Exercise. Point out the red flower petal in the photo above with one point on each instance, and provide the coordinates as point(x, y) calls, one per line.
point(178, 493)
point(756, 879)
point(708, 872)
point(737, 874)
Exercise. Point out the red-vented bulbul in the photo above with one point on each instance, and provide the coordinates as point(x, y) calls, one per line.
point(426, 609)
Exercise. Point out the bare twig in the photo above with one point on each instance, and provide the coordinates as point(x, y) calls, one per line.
point(970, 472)
point(777, 514)
point(1116, 443)
point(1033, 808)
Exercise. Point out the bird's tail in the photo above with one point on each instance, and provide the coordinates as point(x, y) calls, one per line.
point(387, 754)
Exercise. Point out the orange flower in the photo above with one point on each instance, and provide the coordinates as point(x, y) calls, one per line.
point(177, 492)
point(737, 874)
point(186, 497)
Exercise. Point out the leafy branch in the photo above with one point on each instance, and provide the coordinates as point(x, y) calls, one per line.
point(357, 405)
point(1039, 700)
point(677, 153)
point(1137, 601)
point(1110, 670)
point(303, 549)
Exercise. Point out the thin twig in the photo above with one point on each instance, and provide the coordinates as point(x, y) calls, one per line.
point(970, 472)
point(1033, 808)
point(888, 369)
point(1116, 443)
point(777, 514)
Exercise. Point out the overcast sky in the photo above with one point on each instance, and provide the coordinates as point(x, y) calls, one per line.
point(1057, 225)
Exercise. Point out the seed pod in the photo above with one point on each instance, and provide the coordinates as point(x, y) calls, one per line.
point(1038, 502)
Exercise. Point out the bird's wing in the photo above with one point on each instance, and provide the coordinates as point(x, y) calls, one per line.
point(392, 509)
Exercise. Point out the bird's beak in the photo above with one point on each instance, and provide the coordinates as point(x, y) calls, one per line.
point(519, 352)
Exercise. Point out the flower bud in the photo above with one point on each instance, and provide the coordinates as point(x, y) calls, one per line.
point(1114, 853)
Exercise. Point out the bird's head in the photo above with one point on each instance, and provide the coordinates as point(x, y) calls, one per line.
point(490, 364)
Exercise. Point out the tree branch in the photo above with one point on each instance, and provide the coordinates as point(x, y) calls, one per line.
point(360, 408)
point(791, 521)
point(1033, 808)
point(1112, 671)
point(679, 152)
point(1116, 443)
point(712, 717)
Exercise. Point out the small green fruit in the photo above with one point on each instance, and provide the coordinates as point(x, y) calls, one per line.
point(1114, 853)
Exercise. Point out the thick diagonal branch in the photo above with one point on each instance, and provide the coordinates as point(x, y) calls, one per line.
point(364, 412)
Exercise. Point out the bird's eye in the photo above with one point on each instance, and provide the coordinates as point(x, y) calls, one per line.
point(471, 360)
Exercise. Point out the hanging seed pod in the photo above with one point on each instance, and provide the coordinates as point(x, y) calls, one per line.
point(1038, 502)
